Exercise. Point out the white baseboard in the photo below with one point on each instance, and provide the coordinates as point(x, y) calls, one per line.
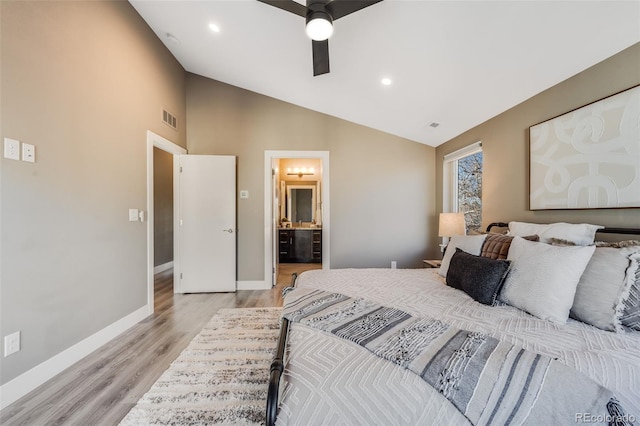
point(253, 285)
point(163, 267)
point(28, 381)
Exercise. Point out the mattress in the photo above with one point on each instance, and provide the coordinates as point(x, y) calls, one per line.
point(328, 380)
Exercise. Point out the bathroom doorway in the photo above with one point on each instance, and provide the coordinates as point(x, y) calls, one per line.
point(303, 244)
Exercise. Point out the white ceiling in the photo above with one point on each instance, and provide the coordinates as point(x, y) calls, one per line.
point(457, 63)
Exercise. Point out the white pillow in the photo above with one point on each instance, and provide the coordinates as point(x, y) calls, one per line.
point(543, 278)
point(581, 234)
point(471, 244)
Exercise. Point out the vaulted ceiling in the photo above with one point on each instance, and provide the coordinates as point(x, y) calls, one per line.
point(455, 63)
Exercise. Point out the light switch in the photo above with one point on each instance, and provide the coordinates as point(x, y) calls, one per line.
point(11, 149)
point(133, 215)
point(28, 153)
point(244, 194)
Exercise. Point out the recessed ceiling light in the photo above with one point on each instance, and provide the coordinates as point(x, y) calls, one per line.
point(386, 81)
point(214, 28)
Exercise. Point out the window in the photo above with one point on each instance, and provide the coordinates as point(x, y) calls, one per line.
point(463, 184)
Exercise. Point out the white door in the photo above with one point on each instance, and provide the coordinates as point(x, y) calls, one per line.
point(206, 245)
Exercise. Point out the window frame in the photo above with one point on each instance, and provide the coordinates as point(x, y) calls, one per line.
point(450, 175)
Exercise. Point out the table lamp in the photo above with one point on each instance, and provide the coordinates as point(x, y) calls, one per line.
point(450, 224)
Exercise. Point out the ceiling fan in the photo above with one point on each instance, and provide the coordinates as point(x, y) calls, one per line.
point(319, 15)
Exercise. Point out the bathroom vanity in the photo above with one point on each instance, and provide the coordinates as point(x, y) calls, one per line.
point(300, 245)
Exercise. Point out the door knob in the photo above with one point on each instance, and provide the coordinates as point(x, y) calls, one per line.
point(230, 230)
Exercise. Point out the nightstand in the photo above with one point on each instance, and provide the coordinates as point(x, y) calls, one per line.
point(432, 263)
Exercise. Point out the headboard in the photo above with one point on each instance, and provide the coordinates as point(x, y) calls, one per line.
point(625, 231)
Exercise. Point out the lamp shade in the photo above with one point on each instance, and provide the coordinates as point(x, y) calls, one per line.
point(451, 224)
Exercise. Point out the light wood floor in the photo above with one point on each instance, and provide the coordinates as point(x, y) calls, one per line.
point(101, 388)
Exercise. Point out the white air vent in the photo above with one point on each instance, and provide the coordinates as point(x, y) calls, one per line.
point(169, 119)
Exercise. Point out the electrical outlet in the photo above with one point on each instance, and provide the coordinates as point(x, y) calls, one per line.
point(11, 343)
point(28, 153)
point(11, 149)
point(394, 264)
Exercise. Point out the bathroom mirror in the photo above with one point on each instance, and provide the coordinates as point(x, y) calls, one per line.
point(301, 202)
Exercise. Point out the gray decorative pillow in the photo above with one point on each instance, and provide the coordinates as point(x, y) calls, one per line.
point(471, 244)
point(630, 316)
point(479, 277)
point(604, 286)
point(618, 244)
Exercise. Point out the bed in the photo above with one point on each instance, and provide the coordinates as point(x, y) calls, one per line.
point(320, 377)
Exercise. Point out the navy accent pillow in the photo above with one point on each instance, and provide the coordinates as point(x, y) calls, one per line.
point(479, 277)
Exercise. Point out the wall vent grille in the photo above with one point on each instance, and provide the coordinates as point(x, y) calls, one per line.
point(169, 119)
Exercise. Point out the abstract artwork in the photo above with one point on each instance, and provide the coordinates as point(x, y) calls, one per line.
point(588, 158)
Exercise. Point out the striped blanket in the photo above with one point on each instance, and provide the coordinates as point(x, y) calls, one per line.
point(487, 380)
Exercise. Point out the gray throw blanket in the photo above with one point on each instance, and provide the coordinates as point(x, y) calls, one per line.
point(487, 380)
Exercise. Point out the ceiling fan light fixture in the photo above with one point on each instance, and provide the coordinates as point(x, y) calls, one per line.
point(319, 25)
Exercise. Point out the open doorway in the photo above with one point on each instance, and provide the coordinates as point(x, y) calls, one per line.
point(160, 153)
point(162, 210)
point(296, 213)
point(163, 223)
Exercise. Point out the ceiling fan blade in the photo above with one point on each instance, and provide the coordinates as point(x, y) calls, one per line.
point(339, 8)
point(288, 5)
point(320, 57)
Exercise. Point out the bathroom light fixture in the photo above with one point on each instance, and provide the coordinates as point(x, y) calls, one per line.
point(300, 171)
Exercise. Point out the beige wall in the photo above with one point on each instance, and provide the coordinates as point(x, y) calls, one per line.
point(505, 144)
point(382, 186)
point(83, 82)
point(162, 207)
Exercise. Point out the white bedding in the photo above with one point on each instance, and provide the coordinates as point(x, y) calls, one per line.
point(328, 380)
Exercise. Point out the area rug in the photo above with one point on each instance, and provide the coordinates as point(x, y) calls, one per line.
point(220, 378)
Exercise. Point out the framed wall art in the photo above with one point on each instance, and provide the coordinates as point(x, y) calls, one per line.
point(588, 158)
